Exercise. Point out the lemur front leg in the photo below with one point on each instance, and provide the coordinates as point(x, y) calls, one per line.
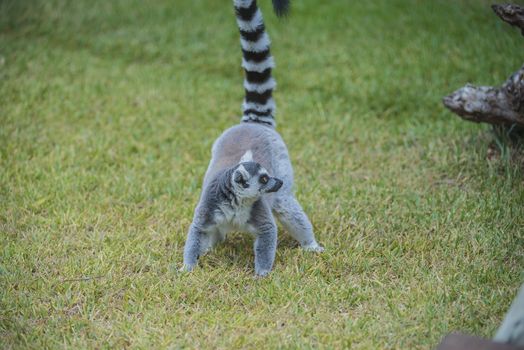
point(265, 230)
point(295, 221)
point(196, 245)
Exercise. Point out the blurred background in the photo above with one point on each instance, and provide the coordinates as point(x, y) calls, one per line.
point(108, 111)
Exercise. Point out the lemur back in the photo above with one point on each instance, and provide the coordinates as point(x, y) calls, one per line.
point(250, 178)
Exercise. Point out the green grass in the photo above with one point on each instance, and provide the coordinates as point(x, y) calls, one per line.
point(108, 111)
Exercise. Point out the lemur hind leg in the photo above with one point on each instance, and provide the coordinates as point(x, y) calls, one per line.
point(291, 215)
point(265, 230)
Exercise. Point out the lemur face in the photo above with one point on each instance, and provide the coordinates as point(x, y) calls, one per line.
point(251, 180)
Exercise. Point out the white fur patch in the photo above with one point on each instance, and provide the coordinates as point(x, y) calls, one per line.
point(259, 67)
point(234, 219)
point(258, 118)
point(247, 157)
point(261, 44)
point(243, 170)
point(270, 104)
point(253, 24)
point(260, 87)
point(242, 3)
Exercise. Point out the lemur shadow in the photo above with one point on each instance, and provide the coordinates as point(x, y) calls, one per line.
point(237, 250)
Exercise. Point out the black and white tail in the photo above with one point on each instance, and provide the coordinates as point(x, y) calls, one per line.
point(258, 105)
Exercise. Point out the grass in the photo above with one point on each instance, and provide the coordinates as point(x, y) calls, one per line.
point(108, 111)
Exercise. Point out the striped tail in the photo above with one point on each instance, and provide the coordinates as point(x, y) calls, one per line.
point(258, 105)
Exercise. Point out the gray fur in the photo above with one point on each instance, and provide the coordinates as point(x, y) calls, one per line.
point(225, 205)
point(249, 178)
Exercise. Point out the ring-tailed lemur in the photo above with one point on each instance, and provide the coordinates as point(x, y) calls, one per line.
point(249, 177)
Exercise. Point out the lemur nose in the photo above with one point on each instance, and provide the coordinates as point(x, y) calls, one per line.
point(277, 185)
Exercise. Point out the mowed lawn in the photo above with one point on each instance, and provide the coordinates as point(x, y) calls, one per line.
point(108, 110)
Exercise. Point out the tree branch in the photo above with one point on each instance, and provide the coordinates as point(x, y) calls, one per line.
point(510, 13)
point(503, 105)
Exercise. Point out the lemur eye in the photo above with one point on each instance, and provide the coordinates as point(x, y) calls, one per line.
point(263, 179)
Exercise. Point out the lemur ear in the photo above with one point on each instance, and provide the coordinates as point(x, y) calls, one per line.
point(238, 177)
point(241, 176)
point(247, 157)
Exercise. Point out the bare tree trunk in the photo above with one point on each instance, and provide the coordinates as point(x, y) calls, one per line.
point(503, 105)
point(512, 14)
point(495, 105)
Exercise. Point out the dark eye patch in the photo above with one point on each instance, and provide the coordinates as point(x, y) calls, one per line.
point(263, 179)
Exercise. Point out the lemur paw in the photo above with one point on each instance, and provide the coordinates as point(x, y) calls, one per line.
point(186, 268)
point(313, 247)
point(259, 273)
